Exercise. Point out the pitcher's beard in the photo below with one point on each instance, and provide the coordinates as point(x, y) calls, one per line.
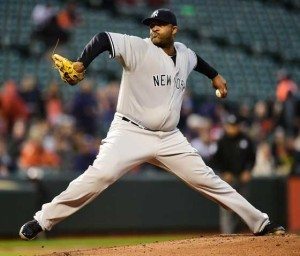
point(162, 44)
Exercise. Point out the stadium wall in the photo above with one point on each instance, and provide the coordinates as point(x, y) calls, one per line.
point(136, 203)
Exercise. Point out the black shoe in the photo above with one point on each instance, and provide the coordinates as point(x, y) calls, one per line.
point(30, 230)
point(271, 229)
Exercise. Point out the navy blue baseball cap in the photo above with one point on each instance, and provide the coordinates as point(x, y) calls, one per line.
point(163, 15)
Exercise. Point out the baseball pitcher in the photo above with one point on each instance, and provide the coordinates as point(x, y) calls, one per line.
point(155, 71)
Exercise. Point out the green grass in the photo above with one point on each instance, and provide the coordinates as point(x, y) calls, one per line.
point(43, 246)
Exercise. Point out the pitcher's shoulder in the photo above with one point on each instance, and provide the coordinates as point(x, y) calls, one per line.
point(181, 46)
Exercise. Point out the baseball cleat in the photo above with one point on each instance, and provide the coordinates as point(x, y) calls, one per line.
point(30, 230)
point(271, 229)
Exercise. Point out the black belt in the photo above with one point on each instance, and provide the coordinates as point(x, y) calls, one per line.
point(129, 121)
point(140, 126)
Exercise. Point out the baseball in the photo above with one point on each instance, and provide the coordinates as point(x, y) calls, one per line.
point(218, 93)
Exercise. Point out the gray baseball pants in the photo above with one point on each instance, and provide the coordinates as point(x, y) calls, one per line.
point(126, 146)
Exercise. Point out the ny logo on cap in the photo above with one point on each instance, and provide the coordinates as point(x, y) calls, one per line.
point(154, 14)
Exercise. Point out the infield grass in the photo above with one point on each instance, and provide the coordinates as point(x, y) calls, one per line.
point(43, 246)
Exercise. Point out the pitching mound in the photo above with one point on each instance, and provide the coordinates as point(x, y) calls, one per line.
point(234, 245)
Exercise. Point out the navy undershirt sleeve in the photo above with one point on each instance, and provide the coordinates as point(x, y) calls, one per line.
point(204, 68)
point(98, 44)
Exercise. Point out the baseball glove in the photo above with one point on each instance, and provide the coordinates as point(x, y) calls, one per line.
point(66, 70)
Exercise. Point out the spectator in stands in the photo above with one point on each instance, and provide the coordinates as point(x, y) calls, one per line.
point(65, 140)
point(42, 15)
point(13, 107)
point(208, 109)
point(107, 97)
point(3, 123)
point(5, 160)
point(86, 151)
point(220, 114)
point(234, 159)
point(264, 162)
point(84, 108)
point(68, 17)
point(282, 149)
point(262, 124)
point(32, 96)
point(53, 103)
point(216, 114)
point(286, 94)
point(33, 151)
point(296, 167)
point(204, 143)
point(285, 86)
point(245, 115)
point(15, 142)
point(186, 110)
point(46, 27)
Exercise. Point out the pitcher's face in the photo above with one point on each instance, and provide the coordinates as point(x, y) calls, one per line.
point(162, 34)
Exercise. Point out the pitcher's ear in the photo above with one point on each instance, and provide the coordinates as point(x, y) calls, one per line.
point(175, 30)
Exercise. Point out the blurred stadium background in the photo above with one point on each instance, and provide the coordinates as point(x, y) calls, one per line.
point(49, 133)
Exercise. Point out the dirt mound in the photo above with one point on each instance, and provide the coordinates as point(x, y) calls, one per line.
point(234, 245)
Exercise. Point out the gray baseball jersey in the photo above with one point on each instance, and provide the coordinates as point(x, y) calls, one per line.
point(152, 86)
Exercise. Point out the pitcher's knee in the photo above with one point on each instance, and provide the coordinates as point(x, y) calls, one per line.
point(106, 178)
point(203, 177)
